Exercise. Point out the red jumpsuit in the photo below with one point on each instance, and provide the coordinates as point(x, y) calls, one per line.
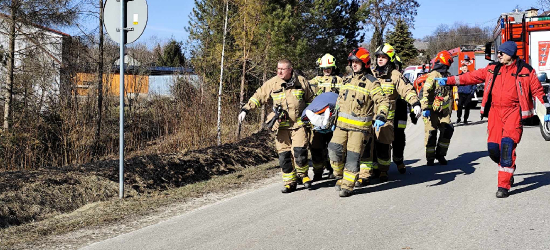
point(510, 101)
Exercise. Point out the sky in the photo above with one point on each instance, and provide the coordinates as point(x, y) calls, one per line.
point(167, 18)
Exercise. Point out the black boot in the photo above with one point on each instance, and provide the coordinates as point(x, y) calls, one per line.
point(431, 162)
point(317, 175)
point(289, 188)
point(362, 182)
point(402, 168)
point(441, 159)
point(512, 181)
point(383, 177)
point(345, 192)
point(502, 193)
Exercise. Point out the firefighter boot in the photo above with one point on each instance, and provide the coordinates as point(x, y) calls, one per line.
point(430, 162)
point(383, 176)
point(330, 170)
point(338, 185)
point(317, 174)
point(289, 188)
point(365, 170)
point(362, 182)
point(502, 193)
point(348, 183)
point(401, 168)
point(345, 192)
point(305, 180)
point(441, 159)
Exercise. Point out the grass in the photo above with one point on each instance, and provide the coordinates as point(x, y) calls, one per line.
point(104, 213)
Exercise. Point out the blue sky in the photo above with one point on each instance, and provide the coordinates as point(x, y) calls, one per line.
point(167, 18)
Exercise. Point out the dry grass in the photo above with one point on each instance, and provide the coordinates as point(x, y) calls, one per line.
point(35, 203)
point(114, 210)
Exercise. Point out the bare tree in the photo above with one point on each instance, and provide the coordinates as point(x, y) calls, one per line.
point(23, 16)
point(384, 13)
point(221, 77)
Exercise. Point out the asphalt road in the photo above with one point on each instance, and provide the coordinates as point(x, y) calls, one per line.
point(437, 207)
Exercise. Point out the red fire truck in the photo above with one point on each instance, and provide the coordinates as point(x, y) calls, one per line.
point(532, 35)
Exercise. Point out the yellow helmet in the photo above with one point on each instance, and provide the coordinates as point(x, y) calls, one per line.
point(386, 50)
point(327, 61)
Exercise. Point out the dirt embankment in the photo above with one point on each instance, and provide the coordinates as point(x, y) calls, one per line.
point(36, 195)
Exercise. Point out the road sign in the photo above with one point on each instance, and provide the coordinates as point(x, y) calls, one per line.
point(136, 19)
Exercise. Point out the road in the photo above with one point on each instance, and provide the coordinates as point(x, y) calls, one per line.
point(437, 207)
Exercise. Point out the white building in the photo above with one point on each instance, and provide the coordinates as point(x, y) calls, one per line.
point(38, 53)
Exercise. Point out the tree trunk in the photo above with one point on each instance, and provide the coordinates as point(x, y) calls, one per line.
point(241, 99)
point(99, 83)
point(221, 78)
point(8, 98)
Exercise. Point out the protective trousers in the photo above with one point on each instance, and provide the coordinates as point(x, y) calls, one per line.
point(319, 150)
point(289, 143)
point(400, 121)
point(344, 151)
point(505, 132)
point(434, 147)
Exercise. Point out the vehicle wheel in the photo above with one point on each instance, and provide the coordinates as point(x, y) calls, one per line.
point(545, 131)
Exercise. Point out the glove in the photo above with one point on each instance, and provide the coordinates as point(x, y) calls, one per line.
point(417, 111)
point(547, 118)
point(378, 124)
point(441, 81)
point(426, 113)
point(241, 116)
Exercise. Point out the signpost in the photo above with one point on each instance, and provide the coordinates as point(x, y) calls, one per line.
point(125, 21)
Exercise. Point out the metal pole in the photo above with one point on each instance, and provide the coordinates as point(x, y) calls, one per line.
point(121, 94)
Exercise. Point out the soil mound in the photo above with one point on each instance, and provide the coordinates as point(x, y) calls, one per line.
point(27, 196)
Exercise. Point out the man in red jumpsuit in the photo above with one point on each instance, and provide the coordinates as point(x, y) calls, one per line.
point(510, 86)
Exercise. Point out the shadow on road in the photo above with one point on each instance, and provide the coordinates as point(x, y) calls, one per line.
point(531, 181)
point(469, 123)
point(462, 165)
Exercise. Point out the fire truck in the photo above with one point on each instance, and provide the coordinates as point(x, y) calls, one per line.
point(532, 36)
point(474, 57)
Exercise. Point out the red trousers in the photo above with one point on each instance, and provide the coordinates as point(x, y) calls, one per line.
point(505, 132)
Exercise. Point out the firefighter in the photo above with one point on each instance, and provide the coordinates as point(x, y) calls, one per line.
point(329, 81)
point(354, 125)
point(399, 94)
point(290, 94)
point(436, 106)
point(510, 85)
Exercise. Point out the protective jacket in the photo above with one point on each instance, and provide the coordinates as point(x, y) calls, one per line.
point(432, 91)
point(292, 96)
point(323, 84)
point(394, 86)
point(358, 96)
point(526, 82)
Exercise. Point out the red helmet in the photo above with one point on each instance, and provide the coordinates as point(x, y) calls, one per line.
point(360, 54)
point(444, 57)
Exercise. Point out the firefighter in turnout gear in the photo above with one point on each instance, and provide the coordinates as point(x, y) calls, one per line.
point(354, 124)
point(399, 94)
point(436, 105)
point(327, 82)
point(290, 93)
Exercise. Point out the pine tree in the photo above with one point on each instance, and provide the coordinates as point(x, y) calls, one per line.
point(403, 42)
point(172, 55)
